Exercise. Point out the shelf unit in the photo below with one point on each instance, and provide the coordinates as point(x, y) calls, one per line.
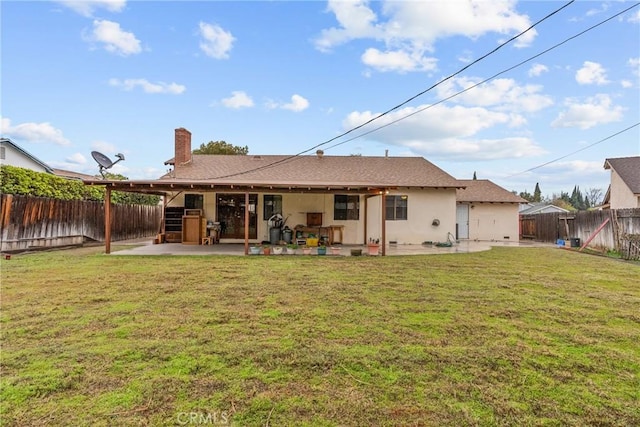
point(173, 224)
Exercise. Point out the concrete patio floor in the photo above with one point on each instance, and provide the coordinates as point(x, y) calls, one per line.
point(146, 247)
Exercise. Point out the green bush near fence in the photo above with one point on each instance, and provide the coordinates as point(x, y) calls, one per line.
point(21, 181)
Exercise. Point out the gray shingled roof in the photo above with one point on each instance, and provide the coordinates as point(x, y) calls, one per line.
point(483, 190)
point(313, 171)
point(628, 168)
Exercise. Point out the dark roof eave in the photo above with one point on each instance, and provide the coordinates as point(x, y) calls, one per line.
point(172, 185)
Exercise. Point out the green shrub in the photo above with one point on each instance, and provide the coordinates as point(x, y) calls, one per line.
point(25, 182)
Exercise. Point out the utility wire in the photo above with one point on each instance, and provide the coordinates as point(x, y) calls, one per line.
point(288, 158)
point(571, 154)
point(485, 80)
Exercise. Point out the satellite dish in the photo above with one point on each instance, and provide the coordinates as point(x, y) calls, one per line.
point(104, 162)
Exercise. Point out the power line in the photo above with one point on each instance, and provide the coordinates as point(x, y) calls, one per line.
point(519, 64)
point(288, 158)
point(577, 151)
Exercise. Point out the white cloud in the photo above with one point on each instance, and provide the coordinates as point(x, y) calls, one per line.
point(626, 84)
point(104, 147)
point(635, 17)
point(414, 27)
point(595, 111)
point(237, 100)
point(537, 69)
point(591, 73)
point(148, 87)
point(603, 8)
point(33, 132)
point(398, 60)
point(216, 42)
point(297, 104)
point(115, 39)
point(503, 94)
point(447, 132)
point(465, 57)
point(77, 159)
point(88, 7)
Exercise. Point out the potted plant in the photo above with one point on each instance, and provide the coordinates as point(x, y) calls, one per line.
point(255, 250)
point(292, 248)
point(277, 250)
point(306, 250)
point(322, 250)
point(335, 250)
point(373, 246)
point(266, 249)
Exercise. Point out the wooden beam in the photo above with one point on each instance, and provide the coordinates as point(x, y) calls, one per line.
point(246, 223)
point(366, 206)
point(107, 220)
point(383, 215)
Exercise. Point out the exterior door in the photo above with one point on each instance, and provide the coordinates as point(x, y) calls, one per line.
point(462, 222)
point(230, 209)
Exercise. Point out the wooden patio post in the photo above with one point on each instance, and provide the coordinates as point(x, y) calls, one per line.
point(246, 223)
point(383, 215)
point(107, 220)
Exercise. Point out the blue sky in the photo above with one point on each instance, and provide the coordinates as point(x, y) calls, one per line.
point(284, 76)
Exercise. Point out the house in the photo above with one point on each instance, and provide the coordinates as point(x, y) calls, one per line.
point(486, 211)
point(76, 176)
point(13, 155)
point(343, 193)
point(624, 189)
point(540, 208)
point(340, 199)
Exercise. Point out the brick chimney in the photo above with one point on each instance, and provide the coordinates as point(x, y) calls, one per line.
point(183, 147)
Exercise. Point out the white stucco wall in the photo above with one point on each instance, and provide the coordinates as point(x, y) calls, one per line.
point(621, 196)
point(494, 221)
point(14, 157)
point(423, 207)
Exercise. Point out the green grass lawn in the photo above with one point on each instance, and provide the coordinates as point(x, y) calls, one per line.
point(512, 336)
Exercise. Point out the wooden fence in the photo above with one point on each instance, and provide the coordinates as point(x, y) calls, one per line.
point(34, 222)
point(623, 224)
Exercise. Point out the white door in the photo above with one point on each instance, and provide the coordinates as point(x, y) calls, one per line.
point(462, 221)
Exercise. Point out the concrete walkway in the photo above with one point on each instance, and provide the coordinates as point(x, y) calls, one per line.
point(146, 247)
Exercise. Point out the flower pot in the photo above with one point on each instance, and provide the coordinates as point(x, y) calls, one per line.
point(356, 252)
point(277, 250)
point(373, 248)
point(266, 251)
point(306, 251)
point(335, 250)
point(255, 250)
point(291, 251)
point(322, 250)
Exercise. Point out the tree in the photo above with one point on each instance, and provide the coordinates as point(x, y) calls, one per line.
point(537, 194)
point(526, 195)
point(221, 147)
point(593, 196)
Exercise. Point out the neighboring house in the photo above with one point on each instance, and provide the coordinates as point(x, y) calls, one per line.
point(341, 197)
point(72, 175)
point(11, 154)
point(540, 208)
point(624, 189)
point(486, 211)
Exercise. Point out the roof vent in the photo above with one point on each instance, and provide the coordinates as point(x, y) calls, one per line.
point(257, 157)
point(319, 153)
